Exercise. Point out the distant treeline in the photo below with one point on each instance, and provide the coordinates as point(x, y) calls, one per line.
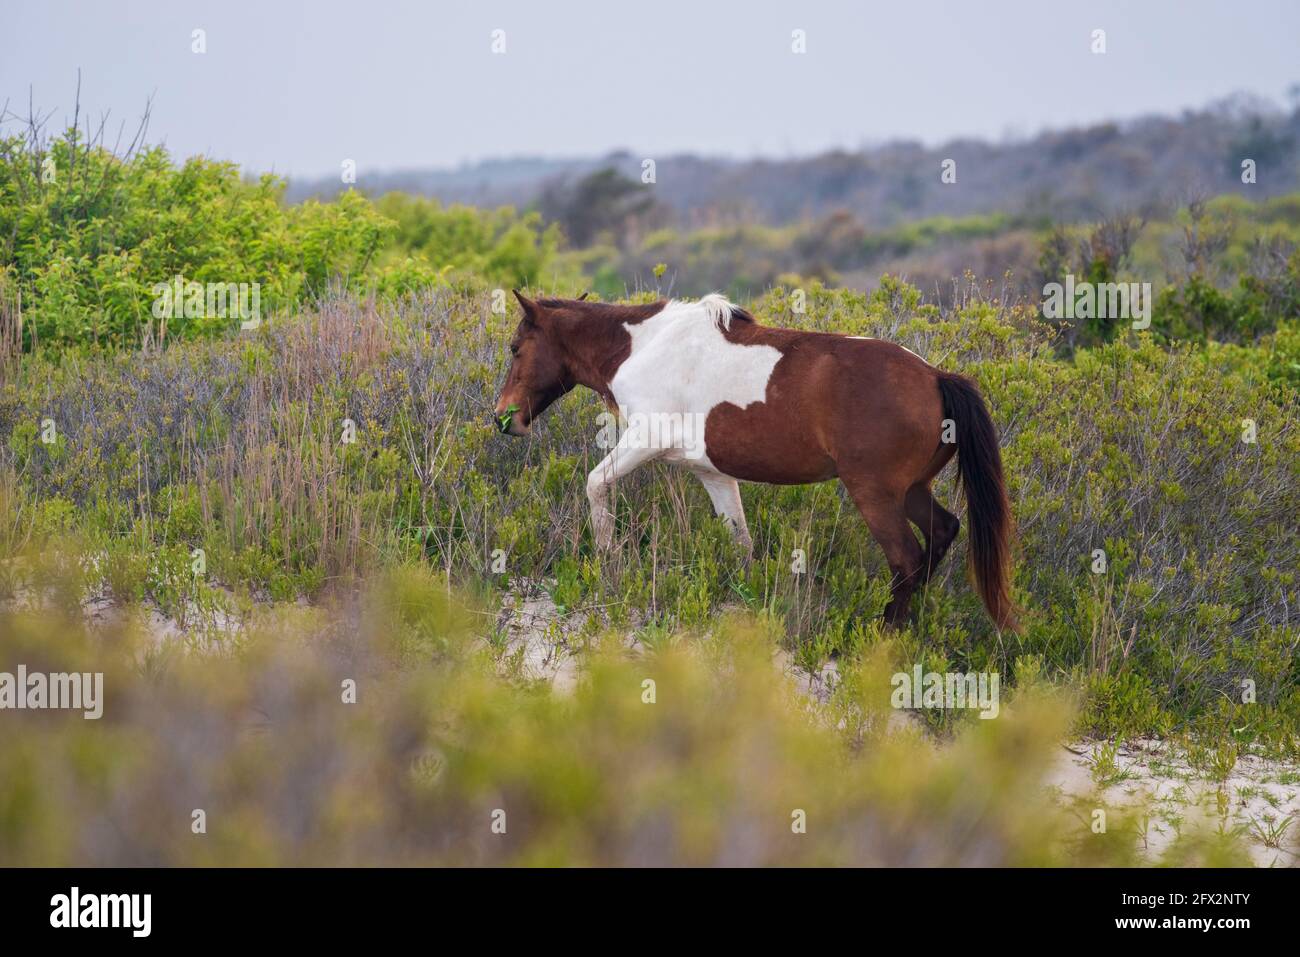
point(1070, 175)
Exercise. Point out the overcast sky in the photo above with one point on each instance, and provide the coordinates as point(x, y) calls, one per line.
point(299, 87)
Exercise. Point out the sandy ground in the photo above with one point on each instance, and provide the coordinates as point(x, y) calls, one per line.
point(540, 643)
point(1260, 798)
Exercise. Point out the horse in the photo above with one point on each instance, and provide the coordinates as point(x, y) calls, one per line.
point(704, 386)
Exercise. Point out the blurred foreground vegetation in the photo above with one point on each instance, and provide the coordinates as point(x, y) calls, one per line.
point(699, 752)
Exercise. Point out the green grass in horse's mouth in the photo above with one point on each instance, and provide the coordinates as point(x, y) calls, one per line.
point(504, 418)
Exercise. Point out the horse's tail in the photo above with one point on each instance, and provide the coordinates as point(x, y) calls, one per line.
point(979, 463)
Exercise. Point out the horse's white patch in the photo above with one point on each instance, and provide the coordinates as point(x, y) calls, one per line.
point(682, 363)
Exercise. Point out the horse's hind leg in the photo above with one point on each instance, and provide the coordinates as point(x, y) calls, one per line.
point(886, 516)
point(724, 493)
point(937, 524)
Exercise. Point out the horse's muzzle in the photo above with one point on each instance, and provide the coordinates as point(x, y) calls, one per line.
point(508, 423)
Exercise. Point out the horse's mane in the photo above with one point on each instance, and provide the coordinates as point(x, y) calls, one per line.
point(717, 307)
point(603, 310)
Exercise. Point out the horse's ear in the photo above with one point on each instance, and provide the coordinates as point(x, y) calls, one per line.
point(531, 309)
point(583, 296)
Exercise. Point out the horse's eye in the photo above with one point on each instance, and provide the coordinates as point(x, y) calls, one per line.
point(514, 351)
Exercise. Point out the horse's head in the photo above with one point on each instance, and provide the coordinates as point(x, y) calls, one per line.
point(538, 373)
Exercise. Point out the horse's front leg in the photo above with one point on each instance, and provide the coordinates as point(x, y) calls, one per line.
point(630, 452)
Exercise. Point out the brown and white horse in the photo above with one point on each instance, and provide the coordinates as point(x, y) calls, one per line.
point(778, 406)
